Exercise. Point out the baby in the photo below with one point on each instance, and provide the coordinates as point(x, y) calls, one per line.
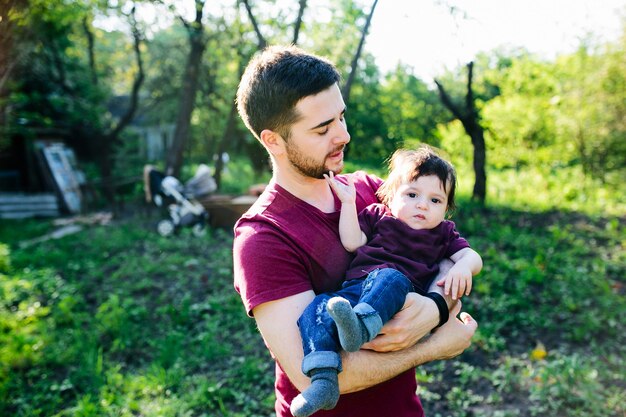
point(398, 245)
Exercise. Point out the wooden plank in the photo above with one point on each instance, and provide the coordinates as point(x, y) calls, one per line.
point(29, 206)
point(22, 206)
point(10, 198)
point(28, 214)
point(59, 158)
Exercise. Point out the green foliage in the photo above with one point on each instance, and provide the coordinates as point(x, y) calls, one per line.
point(550, 277)
point(53, 88)
point(114, 320)
point(117, 321)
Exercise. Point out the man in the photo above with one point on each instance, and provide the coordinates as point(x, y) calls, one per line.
point(287, 246)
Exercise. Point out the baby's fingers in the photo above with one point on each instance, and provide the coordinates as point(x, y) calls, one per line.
point(330, 179)
point(447, 286)
point(461, 287)
point(455, 289)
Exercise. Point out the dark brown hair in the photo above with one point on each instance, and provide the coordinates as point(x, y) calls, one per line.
point(273, 83)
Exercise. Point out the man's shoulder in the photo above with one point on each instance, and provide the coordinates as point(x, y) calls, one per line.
point(275, 213)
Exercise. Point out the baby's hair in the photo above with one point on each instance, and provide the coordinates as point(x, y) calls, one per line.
point(406, 166)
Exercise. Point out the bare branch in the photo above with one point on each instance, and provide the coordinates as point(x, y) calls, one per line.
point(90, 50)
point(447, 101)
point(257, 30)
point(298, 23)
point(348, 85)
point(134, 96)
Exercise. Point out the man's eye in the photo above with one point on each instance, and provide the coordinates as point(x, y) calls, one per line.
point(322, 133)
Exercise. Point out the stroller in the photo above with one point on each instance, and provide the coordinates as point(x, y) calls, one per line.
point(183, 208)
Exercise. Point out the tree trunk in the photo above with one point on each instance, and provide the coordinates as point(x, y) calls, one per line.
point(480, 184)
point(108, 141)
point(470, 119)
point(106, 169)
point(8, 56)
point(188, 94)
point(90, 51)
point(298, 24)
point(353, 68)
point(229, 131)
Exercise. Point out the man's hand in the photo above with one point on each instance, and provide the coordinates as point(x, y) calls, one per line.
point(418, 317)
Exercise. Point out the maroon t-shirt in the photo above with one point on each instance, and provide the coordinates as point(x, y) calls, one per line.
point(284, 246)
point(391, 243)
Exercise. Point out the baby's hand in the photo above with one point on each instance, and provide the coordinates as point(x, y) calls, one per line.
point(345, 192)
point(458, 281)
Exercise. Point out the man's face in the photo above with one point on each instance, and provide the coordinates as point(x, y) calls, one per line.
point(319, 137)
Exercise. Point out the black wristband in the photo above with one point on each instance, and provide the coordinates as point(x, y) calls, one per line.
point(442, 306)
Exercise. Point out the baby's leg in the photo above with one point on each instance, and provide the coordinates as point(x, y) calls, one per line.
point(383, 295)
point(323, 393)
point(353, 329)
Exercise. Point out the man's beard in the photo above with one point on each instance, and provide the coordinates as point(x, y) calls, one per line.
point(309, 167)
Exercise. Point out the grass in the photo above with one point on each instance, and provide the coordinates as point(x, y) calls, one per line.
point(117, 321)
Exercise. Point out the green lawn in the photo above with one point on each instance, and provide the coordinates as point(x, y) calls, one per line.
point(117, 321)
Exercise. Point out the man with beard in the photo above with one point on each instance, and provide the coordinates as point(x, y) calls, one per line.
point(287, 246)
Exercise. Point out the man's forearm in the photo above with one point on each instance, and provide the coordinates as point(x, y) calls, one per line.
point(366, 368)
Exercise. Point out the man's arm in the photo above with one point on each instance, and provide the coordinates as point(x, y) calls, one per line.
point(394, 336)
point(277, 321)
point(373, 368)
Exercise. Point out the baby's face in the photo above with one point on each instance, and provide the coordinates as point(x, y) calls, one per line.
point(421, 204)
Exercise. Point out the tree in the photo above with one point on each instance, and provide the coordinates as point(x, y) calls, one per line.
point(9, 55)
point(522, 118)
point(190, 87)
point(110, 138)
point(470, 118)
point(591, 108)
point(412, 111)
point(197, 44)
point(345, 90)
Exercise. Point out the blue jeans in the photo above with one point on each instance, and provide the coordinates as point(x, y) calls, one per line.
point(384, 290)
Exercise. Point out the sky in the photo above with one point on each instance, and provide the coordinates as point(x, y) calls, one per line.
point(427, 37)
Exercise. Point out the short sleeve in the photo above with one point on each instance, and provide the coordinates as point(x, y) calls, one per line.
point(455, 241)
point(266, 266)
point(368, 217)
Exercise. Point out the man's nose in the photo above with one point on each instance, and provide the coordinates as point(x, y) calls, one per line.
point(342, 135)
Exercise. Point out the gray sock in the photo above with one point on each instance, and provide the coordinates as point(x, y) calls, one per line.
point(352, 332)
point(323, 393)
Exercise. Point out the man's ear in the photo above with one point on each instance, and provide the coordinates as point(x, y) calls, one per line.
point(273, 142)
